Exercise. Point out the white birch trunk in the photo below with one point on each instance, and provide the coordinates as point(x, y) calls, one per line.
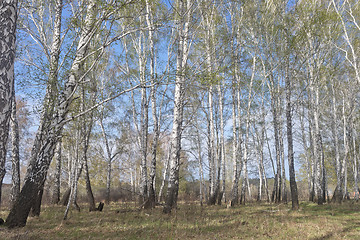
point(313, 159)
point(8, 21)
point(108, 162)
point(87, 122)
point(245, 184)
point(306, 150)
point(165, 173)
point(184, 13)
point(143, 122)
point(222, 142)
point(355, 159)
point(212, 150)
point(235, 184)
point(240, 141)
point(76, 166)
point(212, 170)
point(15, 158)
point(276, 195)
point(283, 176)
point(56, 189)
point(149, 20)
point(258, 155)
point(289, 124)
point(261, 143)
point(334, 128)
point(313, 130)
point(69, 165)
point(236, 145)
point(318, 149)
point(200, 161)
point(346, 151)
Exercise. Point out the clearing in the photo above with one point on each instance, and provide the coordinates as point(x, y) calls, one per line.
point(191, 221)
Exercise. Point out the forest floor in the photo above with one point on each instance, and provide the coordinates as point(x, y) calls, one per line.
point(191, 221)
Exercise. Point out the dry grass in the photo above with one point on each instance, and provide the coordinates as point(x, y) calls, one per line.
point(190, 221)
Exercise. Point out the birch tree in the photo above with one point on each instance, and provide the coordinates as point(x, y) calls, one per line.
point(289, 124)
point(222, 161)
point(235, 175)
point(236, 144)
point(334, 127)
point(260, 138)
point(245, 183)
point(144, 119)
point(87, 126)
point(208, 14)
point(8, 22)
point(270, 62)
point(183, 14)
point(110, 155)
point(15, 151)
point(44, 144)
point(153, 97)
point(50, 99)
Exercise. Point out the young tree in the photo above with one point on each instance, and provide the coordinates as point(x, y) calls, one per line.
point(109, 155)
point(87, 122)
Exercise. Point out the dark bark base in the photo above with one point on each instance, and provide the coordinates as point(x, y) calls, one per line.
point(312, 196)
point(76, 206)
point(151, 199)
point(65, 199)
point(171, 199)
point(243, 196)
point(90, 197)
point(234, 201)
point(1, 182)
point(20, 211)
point(36, 208)
point(100, 207)
point(337, 197)
point(242, 199)
point(55, 197)
point(219, 198)
point(213, 198)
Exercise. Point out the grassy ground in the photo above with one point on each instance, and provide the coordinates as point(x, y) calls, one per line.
point(190, 221)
